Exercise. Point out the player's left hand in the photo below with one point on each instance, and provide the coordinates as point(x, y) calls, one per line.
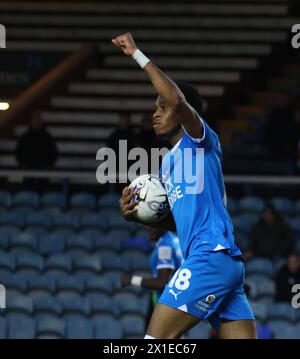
point(126, 43)
point(125, 280)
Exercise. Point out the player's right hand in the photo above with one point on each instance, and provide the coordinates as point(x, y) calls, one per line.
point(128, 209)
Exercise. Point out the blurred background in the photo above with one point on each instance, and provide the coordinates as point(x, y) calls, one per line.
point(66, 92)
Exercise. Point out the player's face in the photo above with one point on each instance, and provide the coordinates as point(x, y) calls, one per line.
point(164, 119)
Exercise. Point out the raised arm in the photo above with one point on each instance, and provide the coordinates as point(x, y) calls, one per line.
point(165, 87)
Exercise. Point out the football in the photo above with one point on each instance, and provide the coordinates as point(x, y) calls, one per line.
point(153, 200)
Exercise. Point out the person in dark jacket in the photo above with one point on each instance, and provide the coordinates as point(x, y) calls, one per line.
point(270, 237)
point(286, 277)
point(36, 148)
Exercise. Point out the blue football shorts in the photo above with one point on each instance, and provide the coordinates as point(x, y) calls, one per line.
point(209, 285)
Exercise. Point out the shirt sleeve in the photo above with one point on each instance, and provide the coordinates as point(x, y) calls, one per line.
point(209, 138)
point(165, 258)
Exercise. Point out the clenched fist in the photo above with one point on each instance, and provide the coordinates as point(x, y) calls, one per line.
point(126, 43)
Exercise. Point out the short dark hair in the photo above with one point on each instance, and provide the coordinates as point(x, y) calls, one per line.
point(192, 96)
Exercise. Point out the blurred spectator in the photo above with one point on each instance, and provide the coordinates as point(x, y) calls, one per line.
point(36, 148)
point(270, 237)
point(286, 277)
point(125, 131)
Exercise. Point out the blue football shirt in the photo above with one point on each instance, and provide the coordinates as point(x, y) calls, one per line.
point(192, 175)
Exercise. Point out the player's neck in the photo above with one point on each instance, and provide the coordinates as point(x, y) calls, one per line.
point(174, 139)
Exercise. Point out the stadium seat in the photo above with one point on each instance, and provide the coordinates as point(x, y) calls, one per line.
point(132, 325)
point(281, 311)
point(7, 262)
point(50, 244)
point(47, 306)
point(86, 266)
point(259, 266)
point(50, 328)
point(199, 331)
point(296, 208)
point(282, 204)
point(20, 304)
point(244, 222)
point(4, 240)
point(260, 311)
point(82, 244)
point(58, 264)
point(232, 205)
point(112, 261)
point(20, 327)
point(92, 233)
point(29, 263)
point(40, 286)
point(3, 328)
point(251, 205)
point(107, 327)
point(54, 200)
point(137, 242)
point(41, 218)
point(98, 285)
point(137, 260)
point(23, 241)
point(128, 303)
point(68, 286)
point(262, 288)
point(115, 237)
point(66, 220)
point(114, 276)
point(79, 328)
point(13, 218)
point(65, 232)
point(109, 200)
point(5, 200)
point(15, 284)
point(75, 305)
point(92, 220)
point(295, 224)
point(26, 199)
point(38, 231)
point(282, 329)
point(241, 240)
point(83, 201)
point(102, 304)
point(9, 230)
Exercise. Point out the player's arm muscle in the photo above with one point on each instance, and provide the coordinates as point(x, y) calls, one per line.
point(169, 91)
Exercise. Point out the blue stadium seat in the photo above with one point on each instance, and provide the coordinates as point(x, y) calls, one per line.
point(58, 264)
point(260, 311)
point(86, 266)
point(9, 230)
point(54, 200)
point(282, 329)
point(244, 222)
point(24, 240)
point(41, 218)
point(26, 199)
point(109, 200)
point(259, 266)
point(251, 205)
point(99, 284)
point(13, 218)
point(38, 231)
point(75, 305)
point(295, 224)
point(199, 331)
point(4, 240)
point(97, 296)
point(241, 240)
point(262, 288)
point(40, 286)
point(137, 260)
point(232, 205)
point(51, 244)
point(92, 220)
point(133, 325)
point(107, 327)
point(79, 242)
point(116, 236)
point(47, 306)
point(102, 242)
point(92, 233)
point(50, 328)
point(7, 262)
point(65, 232)
point(114, 276)
point(20, 327)
point(66, 220)
point(137, 242)
point(112, 261)
point(15, 284)
point(129, 303)
point(3, 328)
point(104, 306)
point(296, 208)
point(20, 304)
point(282, 204)
point(79, 328)
point(29, 263)
point(83, 200)
point(68, 286)
point(282, 311)
point(5, 200)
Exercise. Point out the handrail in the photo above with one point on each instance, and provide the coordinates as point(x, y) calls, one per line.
point(44, 85)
